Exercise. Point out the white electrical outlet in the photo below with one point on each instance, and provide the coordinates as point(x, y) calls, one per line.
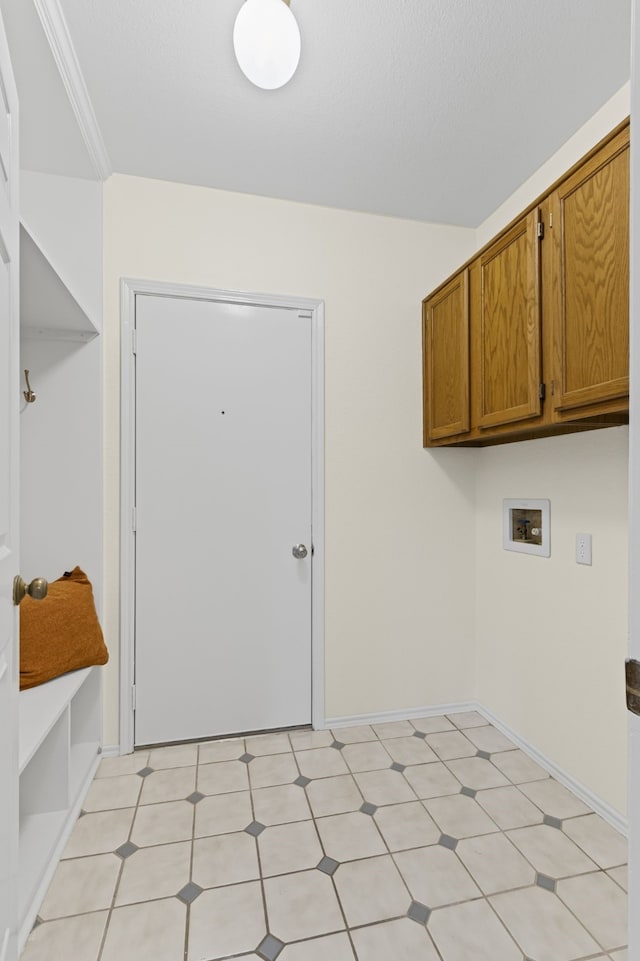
point(583, 549)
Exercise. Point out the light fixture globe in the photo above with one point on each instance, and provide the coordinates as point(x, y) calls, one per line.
point(266, 39)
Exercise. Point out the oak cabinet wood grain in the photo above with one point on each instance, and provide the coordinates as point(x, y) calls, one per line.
point(446, 352)
point(531, 337)
point(590, 303)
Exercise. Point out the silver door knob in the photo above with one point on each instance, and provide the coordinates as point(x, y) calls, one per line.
point(37, 589)
point(299, 551)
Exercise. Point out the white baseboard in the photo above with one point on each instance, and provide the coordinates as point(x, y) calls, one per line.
point(383, 717)
point(110, 750)
point(605, 810)
point(597, 804)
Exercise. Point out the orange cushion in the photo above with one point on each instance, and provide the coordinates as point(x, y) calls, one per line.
point(60, 633)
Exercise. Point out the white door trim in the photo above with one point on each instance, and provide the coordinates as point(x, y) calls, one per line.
point(129, 289)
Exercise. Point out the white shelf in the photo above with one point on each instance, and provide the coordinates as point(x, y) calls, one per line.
point(59, 744)
point(39, 836)
point(48, 309)
point(40, 708)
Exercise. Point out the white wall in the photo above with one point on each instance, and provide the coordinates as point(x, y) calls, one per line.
point(398, 520)
point(64, 216)
point(61, 433)
point(552, 636)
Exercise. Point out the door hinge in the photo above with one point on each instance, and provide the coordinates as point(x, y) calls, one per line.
point(632, 671)
point(542, 391)
point(134, 341)
point(134, 519)
point(133, 697)
point(540, 230)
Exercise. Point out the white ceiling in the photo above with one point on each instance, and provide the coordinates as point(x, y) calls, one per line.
point(434, 110)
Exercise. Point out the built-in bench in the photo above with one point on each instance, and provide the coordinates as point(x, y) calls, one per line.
point(59, 744)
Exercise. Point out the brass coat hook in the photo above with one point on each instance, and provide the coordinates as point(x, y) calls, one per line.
point(29, 396)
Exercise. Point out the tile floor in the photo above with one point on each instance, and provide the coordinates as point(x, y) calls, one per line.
point(426, 840)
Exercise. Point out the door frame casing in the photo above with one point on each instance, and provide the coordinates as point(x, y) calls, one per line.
point(129, 289)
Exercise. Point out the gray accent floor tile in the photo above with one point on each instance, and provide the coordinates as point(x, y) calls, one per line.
point(448, 842)
point(246, 758)
point(418, 912)
point(368, 808)
point(127, 849)
point(255, 828)
point(337, 745)
point(189, 892)
point(552, 822)
point(145, 771)
point(543, 881)
point(398, 767)
point(483, 754)
point(468, 791)
point(302, 781)
point(269, 948)
point(328, 866)
point(196, 797)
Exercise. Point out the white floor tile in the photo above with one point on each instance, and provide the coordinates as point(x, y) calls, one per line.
point(349, 836)
point(321, 762)
point(543, 927)
point(494, 863)
point(285, 848)
point(76, 938)
point(99, 833)
point(554, 799)
point(384, 787)
point(371, 890)
point(435, 876)
point(406, 826)
point(600, 905)
point(225, 922)
point(81, 885)
point(302, 906)
point(352, 735)
point(400, 940)
point(460, 816)
point(223, 813)
point(162, 823)
point(153, 931)
point(598, 840)
point(109, 793)
point(280, 804)
point(472, 932)
point(171, 784)
point(153, 873)
point(332, 947)
point(509, 808)
point(224, 859)
point(550, 851)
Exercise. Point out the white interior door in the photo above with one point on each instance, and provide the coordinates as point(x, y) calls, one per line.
point(223, 495)
point(9, 565)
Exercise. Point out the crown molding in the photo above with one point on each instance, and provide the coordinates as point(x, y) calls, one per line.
point(59, 39)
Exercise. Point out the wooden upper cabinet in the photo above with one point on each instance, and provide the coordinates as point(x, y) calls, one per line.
point(590, 236)
point(531, 337)
point(446, 360)
point(506, 320)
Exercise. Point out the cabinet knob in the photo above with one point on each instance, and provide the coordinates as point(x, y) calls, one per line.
point(37, 589)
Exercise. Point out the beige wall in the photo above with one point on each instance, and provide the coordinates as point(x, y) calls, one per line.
point(399, 521)
point(552, 635)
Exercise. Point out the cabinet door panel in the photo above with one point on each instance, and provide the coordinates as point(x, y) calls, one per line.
point(591, 248)
point(508, 316)
point(446, 361)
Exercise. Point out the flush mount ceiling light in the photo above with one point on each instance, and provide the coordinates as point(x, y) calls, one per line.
point(266, 39)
